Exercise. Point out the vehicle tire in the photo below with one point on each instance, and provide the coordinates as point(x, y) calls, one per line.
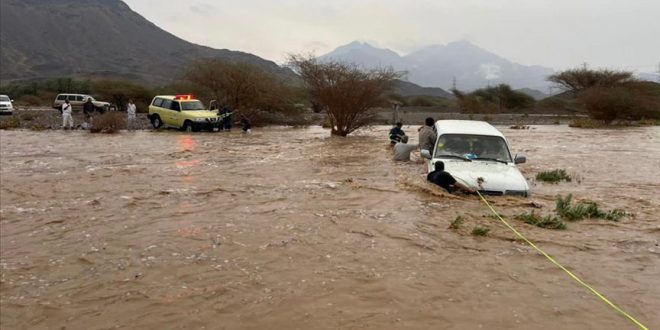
point(187, 126)
point(156, 122)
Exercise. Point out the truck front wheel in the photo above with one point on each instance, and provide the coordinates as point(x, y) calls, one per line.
point(187, 126)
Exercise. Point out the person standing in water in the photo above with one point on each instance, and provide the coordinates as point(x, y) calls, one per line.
point(67, 118)
point(427, 136)
point(131, 111)
point(246, 125)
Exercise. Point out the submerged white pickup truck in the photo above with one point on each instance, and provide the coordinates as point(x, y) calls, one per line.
point(477, 154)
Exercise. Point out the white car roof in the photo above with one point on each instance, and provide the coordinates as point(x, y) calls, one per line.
point(472, 127)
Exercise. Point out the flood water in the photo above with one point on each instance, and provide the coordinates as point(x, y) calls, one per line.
point(294, 229)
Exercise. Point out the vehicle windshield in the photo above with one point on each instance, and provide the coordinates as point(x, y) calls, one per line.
point(88, 97)
point(192, 105)
point(473, 147)
point(4, 98)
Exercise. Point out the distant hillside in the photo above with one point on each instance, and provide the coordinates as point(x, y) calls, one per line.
point(407, 89)
point(438, 65)
point(653, 77)
point(96, 38)
point(536, 94)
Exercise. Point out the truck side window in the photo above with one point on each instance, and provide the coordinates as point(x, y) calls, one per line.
point(71, 97)
point(158, 102)
point(79, 98)
point(61, 97)
point(176, 106)
point(166, 104)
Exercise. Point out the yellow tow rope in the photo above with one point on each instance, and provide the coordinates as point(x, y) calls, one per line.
point(575, 277)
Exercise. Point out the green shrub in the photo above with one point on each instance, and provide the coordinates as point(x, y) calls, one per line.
point(548, 221)
point(422, 101)
point(493, 99)
point(587, 123)
point(648, 122)
point(456, 223)
point(27, 116)
point(579, 211)
point(30, 100)
point(629, 101)
point(118, 92)
point(109, 122)
point(480, 231)
point(553, 176)
point(37, 127)
point(10, 123)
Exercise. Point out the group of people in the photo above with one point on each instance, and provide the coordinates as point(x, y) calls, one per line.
point(226, 114)
point(427, 138)
point(399, 140)
point(89, 108)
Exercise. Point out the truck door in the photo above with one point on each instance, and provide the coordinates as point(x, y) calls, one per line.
point(166, 113)
point(177, 116)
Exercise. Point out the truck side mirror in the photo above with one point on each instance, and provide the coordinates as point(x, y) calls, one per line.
point(520, 159)
point(425, 154)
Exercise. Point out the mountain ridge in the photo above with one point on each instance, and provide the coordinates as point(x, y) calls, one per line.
point(114, 41)
point(438, 65)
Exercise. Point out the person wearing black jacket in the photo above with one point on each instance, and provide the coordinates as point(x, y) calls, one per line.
point(396, 133)
point(446, 180)
point(246, 125)
point(88, 108)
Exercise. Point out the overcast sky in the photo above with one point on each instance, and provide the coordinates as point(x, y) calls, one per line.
point(622, 34)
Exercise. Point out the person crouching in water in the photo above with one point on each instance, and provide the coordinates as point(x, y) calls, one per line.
point(402, 150)
point(446, 180)
point(396, 134)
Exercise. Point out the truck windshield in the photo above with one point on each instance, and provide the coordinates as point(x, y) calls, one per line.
point(4, 98)
point(484, 147)
point(192, 105)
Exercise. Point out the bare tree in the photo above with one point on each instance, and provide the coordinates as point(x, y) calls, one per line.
point(577, 80)
point(240, 85)
point(209, 73)
point(344, 91)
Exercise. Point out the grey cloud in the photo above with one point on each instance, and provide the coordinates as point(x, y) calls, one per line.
point(556, 33)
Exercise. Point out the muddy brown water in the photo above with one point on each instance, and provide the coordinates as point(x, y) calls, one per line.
point(293, 229)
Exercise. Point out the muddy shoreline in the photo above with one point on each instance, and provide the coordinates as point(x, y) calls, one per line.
point(47, 118)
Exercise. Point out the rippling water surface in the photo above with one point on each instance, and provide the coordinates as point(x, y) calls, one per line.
point(294, 229)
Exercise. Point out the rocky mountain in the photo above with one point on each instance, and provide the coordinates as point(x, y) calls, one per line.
point(96, 38)
point(438, 65)
point(365, 55)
